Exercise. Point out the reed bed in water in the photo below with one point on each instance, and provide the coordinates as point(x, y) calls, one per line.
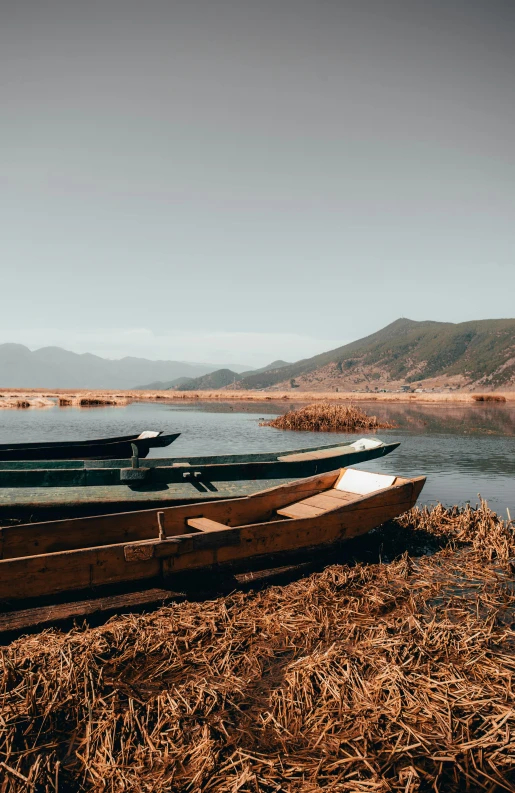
point(380, 677)
point(23, 402)
point(327, 417)
point(488, 398)
point(92, 401)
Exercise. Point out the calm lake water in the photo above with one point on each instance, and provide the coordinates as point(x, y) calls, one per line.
point(462, 450)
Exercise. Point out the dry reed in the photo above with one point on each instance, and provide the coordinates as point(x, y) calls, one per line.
point(327, 417)
point(382, 677)
point(92, 400)
point(488, 398)
point(23, 402)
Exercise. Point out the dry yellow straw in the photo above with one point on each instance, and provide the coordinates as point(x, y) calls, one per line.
point(381, 677)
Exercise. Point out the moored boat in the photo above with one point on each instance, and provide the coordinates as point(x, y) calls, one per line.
point(49, 558)
point(168, 470)
point(97, 449)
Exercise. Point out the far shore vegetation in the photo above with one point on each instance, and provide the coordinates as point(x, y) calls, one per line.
point(40, 398)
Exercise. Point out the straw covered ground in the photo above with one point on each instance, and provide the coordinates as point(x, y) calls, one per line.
point(327, 417)
point(382, 676)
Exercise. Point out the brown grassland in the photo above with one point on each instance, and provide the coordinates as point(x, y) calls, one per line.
point(369, 676)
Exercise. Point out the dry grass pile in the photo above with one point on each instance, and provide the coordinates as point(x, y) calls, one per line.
point(327, 417)
point(488, 398)
point(386, 677)
point(92, 400)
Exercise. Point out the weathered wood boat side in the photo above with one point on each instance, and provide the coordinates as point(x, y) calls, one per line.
point(310, 513)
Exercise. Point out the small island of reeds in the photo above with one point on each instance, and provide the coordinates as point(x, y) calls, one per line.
point(327, 417)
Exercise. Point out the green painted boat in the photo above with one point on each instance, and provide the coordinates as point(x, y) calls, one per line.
point(174, 470)
point(63, 489)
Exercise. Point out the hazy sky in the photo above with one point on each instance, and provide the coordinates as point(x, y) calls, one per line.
point(251, 179)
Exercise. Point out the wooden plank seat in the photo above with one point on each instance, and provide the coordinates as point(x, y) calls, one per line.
point(317, 505)
point(350, 486)
point(205, 524)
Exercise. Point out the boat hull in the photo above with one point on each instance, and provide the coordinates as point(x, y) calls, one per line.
point(101, 449)
point(165, 471)
point(131, 547)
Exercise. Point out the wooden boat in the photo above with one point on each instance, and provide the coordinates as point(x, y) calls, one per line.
point(168, 470)
point(71, 489)
point(98, 449)
point(49, 558)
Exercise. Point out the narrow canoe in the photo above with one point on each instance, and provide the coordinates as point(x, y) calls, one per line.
point(168, 470)
point(95, 489)
point(54, 557)
point(97, 449)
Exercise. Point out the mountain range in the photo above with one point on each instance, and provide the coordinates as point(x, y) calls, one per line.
point(476, 354)
point(53, 367)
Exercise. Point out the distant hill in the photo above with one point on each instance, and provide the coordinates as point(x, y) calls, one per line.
point(477, 355)
point(212, 381)
point(163, 385)
point(223, 378)
point(270, 368)
point(54, 367)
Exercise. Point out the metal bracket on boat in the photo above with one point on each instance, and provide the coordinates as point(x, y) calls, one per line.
point(135, 455)
point(188, 475)
point(135, 473)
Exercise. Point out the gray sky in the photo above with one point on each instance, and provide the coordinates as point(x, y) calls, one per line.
point(245, 180)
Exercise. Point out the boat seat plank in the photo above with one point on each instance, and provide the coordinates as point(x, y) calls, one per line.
point(205, 524)
point(317, 505)
point(325, 501)
point(301, 510)
point(341, 495)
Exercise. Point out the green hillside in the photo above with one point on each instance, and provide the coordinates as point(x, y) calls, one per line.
point(211, 381)
point(482, 352)
point(271, 367)
point(223, 377)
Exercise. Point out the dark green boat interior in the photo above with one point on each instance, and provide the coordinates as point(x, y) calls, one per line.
point(219, 459)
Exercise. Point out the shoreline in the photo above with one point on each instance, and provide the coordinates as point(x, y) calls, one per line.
point(13, 398)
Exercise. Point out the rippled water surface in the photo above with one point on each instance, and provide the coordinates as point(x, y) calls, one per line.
point(462, 450)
